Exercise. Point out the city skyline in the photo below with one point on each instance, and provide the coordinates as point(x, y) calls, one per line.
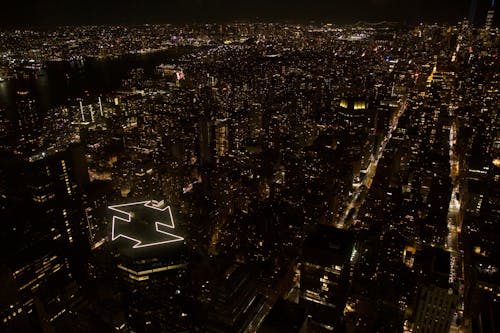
point(250, 176)
point(53, 13)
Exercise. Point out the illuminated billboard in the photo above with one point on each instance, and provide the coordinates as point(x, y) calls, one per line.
point(146, 223)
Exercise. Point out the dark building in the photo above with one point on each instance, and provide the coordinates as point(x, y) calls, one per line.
point(490, 16)
point(151, 263)
point(479, 10)
point(42, 228)
point(437, 298)
point(324, 275)
point(236, 304)
point(285, 317)
point(153, 288)
point(482, 272)
point(357, 122)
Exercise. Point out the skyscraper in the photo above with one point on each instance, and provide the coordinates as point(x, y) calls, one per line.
point(42, 220)
point(437, 299)
point(152, 273)
point(479, 10)
point(324, 274)
point(235, 305)
point(490, 15)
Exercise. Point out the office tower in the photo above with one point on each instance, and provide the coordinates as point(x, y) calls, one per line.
point(478, 10)
point(324, 275)
point(437, 299)
point(355, 114)
point(153, 284)
point(54, 180)
point(482, 285)
point(151, 263)
point(490, 16)
point(42, 224)
point(49, 183)
point(358, 124)
point(483, 269)
point(236, 305)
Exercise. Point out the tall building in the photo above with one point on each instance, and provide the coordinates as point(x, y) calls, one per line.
point(153, 285)
point(235, 303)
point(483, 270)
point(478, 10)
point(151, 265)
point(324, 275)
point(42, 223)
point(489, 17)
point(355, 114)
point(437, 299)
point(358, 123)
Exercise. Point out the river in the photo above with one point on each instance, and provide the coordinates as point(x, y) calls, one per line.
point(63, 81)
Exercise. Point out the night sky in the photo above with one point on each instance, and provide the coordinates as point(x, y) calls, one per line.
point(35, 13)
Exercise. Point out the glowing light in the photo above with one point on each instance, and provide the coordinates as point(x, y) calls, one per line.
point(359, 105)
point(179, 75)
point(128, 219)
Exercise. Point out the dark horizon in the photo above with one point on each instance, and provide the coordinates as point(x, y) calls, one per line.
point(51, 13)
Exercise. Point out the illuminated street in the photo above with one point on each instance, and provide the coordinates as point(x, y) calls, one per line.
point(454, 229)
point(355, 203)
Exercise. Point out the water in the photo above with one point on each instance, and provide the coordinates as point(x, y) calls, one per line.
point(61, 82)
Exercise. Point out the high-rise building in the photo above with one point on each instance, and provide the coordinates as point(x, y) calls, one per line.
point(355, 114)
point(437, 298)
point(358, 122)
point(235, 305)
point(42, 224)
point(153, 284)
point(483, 270)
point(151, 263)
point(478, 10)
point(490, 15)
point(324, 275)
